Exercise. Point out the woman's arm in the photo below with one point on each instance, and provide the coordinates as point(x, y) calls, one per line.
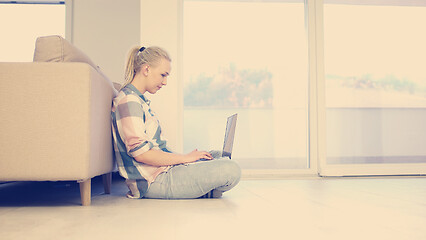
point(155, 157)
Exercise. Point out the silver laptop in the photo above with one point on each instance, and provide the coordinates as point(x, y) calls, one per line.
point(228, 142)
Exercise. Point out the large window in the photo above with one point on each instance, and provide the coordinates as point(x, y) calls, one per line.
point(21, 24)
point(250, 58)
point(375, 82)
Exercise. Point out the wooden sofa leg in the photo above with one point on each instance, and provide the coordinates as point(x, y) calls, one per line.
point(85, 192)
point(107, 180)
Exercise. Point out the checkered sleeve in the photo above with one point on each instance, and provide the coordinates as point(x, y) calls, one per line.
point(131, 126)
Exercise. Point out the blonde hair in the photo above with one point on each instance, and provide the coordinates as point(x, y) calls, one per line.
point(138, 56)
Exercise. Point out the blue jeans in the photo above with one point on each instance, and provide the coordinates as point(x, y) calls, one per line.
point(196, 179)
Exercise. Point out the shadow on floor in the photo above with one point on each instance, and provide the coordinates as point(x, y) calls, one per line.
point(61, 193)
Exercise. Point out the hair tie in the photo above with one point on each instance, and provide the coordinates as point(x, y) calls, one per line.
point(141, 49)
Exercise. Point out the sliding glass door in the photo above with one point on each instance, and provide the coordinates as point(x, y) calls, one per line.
point(375, 87)
point(328, 87)
point(250, 58)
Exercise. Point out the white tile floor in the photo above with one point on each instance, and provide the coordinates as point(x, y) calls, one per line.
point(342, 208)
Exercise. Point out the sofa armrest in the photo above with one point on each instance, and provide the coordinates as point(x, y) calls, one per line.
point(52, 114)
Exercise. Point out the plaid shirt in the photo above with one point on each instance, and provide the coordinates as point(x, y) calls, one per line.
point(136, 130)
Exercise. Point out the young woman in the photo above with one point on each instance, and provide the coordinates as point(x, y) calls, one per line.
point(150, 168)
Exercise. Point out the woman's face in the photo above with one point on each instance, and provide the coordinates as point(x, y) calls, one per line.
point(157, 75)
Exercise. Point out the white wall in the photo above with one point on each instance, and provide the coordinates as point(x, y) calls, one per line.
point(161, 21)
point(105, 30)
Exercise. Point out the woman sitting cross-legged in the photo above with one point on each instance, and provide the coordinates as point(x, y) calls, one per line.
point(150, 168)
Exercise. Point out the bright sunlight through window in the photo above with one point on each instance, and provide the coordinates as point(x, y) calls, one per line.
point(21, 24)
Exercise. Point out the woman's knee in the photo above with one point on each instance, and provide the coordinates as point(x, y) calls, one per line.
point(231, 170)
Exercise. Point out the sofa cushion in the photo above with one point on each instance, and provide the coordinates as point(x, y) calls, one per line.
point(55, 48)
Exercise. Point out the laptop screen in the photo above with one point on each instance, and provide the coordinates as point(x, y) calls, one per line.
point(229, 136)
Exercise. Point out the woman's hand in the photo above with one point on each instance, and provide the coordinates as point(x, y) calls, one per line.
point(197, 155)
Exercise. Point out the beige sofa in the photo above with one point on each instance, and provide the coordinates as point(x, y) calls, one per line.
point(55, 118)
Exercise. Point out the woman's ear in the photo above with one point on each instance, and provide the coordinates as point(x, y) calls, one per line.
point(145, 70)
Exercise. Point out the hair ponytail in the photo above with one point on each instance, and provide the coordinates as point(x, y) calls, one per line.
point(138, 56)
point(130, 70)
